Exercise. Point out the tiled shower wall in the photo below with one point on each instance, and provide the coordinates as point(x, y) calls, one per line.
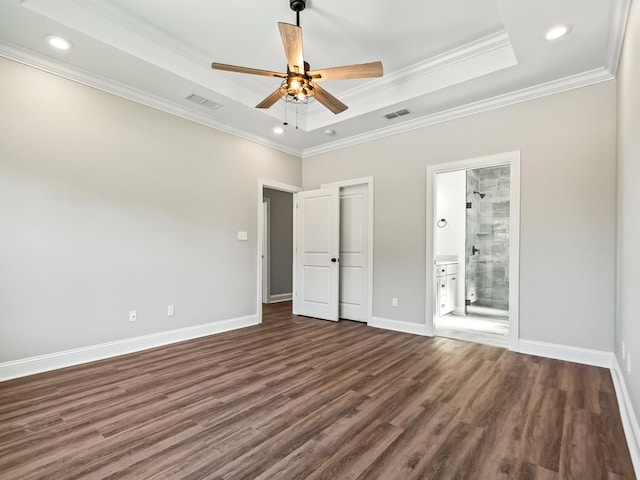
point(489, 221)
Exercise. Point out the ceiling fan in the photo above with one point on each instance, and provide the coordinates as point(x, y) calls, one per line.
point(300, 83)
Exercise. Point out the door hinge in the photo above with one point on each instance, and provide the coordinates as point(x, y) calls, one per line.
point(467, 302)
point(469, 205)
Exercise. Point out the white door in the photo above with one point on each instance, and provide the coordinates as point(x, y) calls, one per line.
point(317, 253)
point(354, 252)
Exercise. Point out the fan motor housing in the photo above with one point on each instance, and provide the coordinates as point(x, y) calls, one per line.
point(297, 5)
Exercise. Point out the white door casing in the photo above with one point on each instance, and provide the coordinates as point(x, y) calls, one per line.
point(317, 253)
point(265, 251)
point(354, 253)
point(507, 158)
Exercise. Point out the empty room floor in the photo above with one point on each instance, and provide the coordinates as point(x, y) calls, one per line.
point(473, 328)
point(299, 398)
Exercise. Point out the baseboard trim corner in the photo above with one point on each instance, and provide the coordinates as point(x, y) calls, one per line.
point(596, 358)
point(629, 419)
point(280, 297)
point(399, 326)
point(68, 358)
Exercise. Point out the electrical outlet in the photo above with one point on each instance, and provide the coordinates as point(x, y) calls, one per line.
point(624, 351)
point(629, 364)
point(171, 311)
point(394, 302)
point(133, 316)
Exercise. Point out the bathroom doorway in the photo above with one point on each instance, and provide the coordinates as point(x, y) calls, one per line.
point(473, 250)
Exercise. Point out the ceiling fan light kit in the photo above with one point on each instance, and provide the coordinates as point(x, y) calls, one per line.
point(299, 84)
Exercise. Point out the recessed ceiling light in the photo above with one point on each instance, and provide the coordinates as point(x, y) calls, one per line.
point(329, 132)
point(58, 42)
point(278, 130)
point(557, 32)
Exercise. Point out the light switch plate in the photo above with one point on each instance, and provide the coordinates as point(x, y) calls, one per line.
point(243, 236)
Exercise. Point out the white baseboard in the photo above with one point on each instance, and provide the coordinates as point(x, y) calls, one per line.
point(399, 326)
point(280, 297)
point(68, 358)
point(597, 358)
point(629, 419)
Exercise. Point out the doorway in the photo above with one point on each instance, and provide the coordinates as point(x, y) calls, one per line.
point(473, 226)
point(277, 283)
point(350, 295)
point(275, 278)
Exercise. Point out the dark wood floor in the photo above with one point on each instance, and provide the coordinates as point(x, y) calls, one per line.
point(297, 398)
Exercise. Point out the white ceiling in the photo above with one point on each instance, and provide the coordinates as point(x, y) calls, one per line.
point(442, 59)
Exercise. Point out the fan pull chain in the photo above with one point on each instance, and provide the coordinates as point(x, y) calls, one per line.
point(296, 116)
point(285, 115)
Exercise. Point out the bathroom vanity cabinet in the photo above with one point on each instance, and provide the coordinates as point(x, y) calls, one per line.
point(447, 282)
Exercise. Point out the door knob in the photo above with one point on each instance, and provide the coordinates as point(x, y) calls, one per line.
point(334, 260)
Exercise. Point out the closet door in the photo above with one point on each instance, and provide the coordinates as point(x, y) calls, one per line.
point(354, 252)
point(317, 253)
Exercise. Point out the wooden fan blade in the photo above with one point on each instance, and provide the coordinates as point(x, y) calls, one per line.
point(328, 100)
point(362, 70)
point(292, 41)
point(252, 71)
point(270, 100)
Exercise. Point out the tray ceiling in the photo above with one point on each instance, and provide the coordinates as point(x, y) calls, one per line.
point(441, 59)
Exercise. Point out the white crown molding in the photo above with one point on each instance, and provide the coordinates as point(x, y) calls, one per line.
point(530, 93)
point(586, 356)
point(425, 67)
point(627, 414)
point(399, 326)
point(473, 60)
point(119, 16)
point(77, 356)
point(617, 28)
point(137, 37)
point(31, 59)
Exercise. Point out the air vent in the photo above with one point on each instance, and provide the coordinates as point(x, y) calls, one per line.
point(397, 113)
point(205, 102)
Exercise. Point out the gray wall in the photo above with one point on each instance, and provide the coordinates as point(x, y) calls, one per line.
point(628, 318)
point(281, 241)
point(108, 206)
point(568, 206)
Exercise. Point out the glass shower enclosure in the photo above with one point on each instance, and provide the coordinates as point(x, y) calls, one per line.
point(487, 241)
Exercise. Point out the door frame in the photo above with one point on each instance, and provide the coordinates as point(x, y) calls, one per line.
point(266, 250)
point(368, 181)
point(507, 158)
point(274, 185)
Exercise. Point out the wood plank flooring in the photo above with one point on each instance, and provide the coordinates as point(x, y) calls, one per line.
point(298, 398)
